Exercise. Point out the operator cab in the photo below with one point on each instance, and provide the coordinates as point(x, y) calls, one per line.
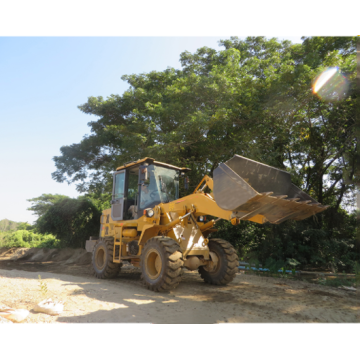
point(143, 184)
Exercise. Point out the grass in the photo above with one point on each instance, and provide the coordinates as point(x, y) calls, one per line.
point(340, 282)
point(290, 264)
point(352, 281)
point(43, 287)
point(272, 274)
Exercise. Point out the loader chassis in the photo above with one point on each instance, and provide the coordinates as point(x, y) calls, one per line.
point(149, 226)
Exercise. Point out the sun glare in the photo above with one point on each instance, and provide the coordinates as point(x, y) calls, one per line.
point(323, 78)
point(331, 85)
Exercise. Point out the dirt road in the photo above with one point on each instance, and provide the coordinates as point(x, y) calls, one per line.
point(124, 299)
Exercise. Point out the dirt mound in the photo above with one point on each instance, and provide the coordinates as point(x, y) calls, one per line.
point(62, 254)
point(67, 255)
point(84, 259)
point(39, 255)
point(16, 253)
point(77, 256)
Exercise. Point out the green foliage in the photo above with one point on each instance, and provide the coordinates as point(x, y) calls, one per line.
point(292, 263)
point(25, 226)
point(66, 222)
point(7, 230)
point(28, 239)
point(338, 282)
point(62, 222)
point(2, 236)
point(356, 269)
point(328, 245)
point(72, 221)
point(322, 281)
point(44, 202)
point(274, 265)
point(100, 200)
point(253, 98)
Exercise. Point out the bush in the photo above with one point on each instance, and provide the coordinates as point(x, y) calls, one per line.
point(29, 239)
point(322, 244)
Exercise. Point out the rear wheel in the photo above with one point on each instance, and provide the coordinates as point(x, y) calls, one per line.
point(102, 259)
point(227, 265)
point(161, 264)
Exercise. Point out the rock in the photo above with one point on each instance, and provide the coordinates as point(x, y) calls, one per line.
point(50, 307)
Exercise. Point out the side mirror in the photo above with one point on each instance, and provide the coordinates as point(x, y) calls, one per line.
point(186, 183)
point(143, 174)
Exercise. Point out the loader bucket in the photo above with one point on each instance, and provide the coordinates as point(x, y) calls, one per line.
point(249, 188)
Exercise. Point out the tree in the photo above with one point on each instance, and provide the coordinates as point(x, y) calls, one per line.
point(254, 98)
point(44, 202)
point(72, 221)
point(24, 226)
point(311, 137)
point(8, 225)
point(175, 116)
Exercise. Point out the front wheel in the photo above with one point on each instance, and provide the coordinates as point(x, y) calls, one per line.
point(161, 264)
point(102, 259)
point(227, 265)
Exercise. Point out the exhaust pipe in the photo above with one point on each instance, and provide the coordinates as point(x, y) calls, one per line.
point(249, 188)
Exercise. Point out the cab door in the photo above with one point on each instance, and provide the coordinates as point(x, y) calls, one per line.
point(117, 202)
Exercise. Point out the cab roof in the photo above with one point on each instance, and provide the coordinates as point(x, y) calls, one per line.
point(151, 161)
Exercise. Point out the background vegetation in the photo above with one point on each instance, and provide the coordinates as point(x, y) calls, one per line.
point(72, 221)
point(62, 222)
point(253, 98)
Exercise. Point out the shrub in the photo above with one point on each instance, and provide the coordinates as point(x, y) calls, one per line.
point(29, 239)
point(327, 244)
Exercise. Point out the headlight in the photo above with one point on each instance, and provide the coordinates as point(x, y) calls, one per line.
point(149, 212)
point(201, 218)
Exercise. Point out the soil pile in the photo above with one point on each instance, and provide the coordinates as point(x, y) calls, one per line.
point(68, 255)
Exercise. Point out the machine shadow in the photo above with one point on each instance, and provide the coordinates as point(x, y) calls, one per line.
point(121, 302)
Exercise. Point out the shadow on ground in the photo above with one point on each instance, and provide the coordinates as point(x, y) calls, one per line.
point(248, 298)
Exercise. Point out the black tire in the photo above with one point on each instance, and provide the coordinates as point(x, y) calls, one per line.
point(102, 259)
point(161, 264)
point(227, 265)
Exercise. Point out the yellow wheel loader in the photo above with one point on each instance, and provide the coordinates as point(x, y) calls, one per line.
point(149, 226)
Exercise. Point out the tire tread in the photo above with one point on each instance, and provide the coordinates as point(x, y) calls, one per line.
point(230, 264)
point(173, 264)
point(111, 268)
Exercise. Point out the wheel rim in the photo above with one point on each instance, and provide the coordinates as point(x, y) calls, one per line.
point(218, 263)
point(100, 258)
point(153, 264)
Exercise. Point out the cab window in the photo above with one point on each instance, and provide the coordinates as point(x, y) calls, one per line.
point(119, 185)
